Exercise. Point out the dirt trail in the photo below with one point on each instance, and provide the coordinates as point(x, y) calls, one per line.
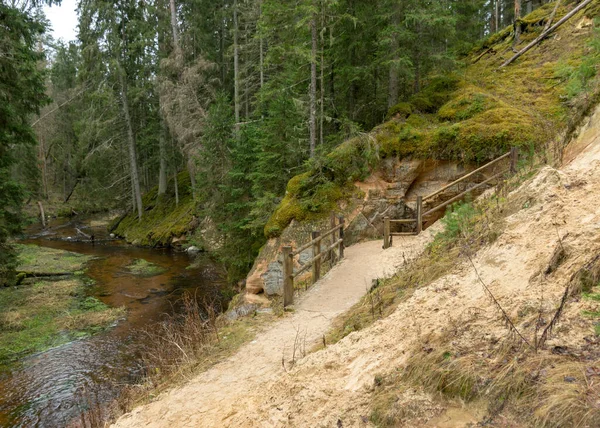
point(216, 396)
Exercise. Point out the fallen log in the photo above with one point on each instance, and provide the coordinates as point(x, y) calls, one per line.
point(546, 33)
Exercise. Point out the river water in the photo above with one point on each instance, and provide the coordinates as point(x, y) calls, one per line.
point(45, 390)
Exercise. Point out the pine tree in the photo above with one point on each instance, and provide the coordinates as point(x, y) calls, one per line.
point(21, 95)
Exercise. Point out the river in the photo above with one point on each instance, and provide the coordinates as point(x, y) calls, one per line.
point(45, 390)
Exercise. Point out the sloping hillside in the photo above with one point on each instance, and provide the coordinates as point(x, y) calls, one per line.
point(471, 115)
point(513, 329)
point(497, 322)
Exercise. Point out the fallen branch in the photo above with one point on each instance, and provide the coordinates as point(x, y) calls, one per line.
point(505, 316)
point(546, 32)
point(552, 15)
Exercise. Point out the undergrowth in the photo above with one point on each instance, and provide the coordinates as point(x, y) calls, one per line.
point(181, 346)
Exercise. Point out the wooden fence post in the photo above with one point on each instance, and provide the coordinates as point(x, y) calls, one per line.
point(316, 267)
point(514, 158)
point(342, 222)
point(419, 214)
point(386, 233)
point(333, 238)
point(288, 276)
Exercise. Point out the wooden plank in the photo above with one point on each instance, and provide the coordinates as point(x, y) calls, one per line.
point(403, 234)
point(315, 241)
point(419, 214)
point(332, 225)
point(404, 221)
point(464, 177)
point(303, 269)
point(288, 276)
point(386, 233)
point(321, 255)
point(341, 250)
point(330, 231)
point(316, 264)
point(456, 198)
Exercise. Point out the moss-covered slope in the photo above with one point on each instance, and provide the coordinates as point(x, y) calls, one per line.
point(163, 219)
point(471, 115)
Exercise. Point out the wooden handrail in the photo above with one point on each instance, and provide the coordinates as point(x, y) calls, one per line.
point(457, 197)
point(464, 177)
point(316, 240)
point(315, 262)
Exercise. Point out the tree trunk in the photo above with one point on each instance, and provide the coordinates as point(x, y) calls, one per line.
point(191, 167)
point(162, 172)
point(393, 79)
point(497, 14)
point(261, 49)
point(174, 25)
point(236, 67)
point(176, 190)
point(135, 181)
point(313, 87)
point(322, 83)
point(517, 23)
point(133, 198)
point(44, 160)
point(548, 31)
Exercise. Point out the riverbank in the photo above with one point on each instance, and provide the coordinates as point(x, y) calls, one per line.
point(78, 366)
point(51, 306)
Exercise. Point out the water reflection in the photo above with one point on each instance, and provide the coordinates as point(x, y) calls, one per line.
point(42, 390)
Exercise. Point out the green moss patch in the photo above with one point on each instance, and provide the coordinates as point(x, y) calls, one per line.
point(162, 219)
point(141, 267)
point(314, 194)
point(38, 261)
point(38, 316)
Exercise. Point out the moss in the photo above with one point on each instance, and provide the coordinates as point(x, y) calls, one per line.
point(34, 260)
point(435, 94)
point(162, 219)
point(466, 104)
point(401, 110)
point(314, 194)
point(144, 268)
point(40, 315)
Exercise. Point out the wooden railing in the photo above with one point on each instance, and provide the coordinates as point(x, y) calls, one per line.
point(337, 237)
point(388, 235)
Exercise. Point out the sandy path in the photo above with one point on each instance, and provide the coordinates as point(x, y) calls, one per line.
point(215, 397)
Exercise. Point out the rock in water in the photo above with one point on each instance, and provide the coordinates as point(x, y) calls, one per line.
point(193, 250)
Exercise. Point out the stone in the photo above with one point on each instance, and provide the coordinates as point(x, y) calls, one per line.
point(112, 236)
point(359, 229)
point(178, 241)
point(257, 299)
point(395, 170)
point(305, 256)
point(241, 311)
point(273, 279)
point(193, 250)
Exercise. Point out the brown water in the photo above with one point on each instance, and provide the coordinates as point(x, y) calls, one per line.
point(44, 390)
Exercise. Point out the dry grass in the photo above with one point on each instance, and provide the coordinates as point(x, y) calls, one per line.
point(184, 345)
